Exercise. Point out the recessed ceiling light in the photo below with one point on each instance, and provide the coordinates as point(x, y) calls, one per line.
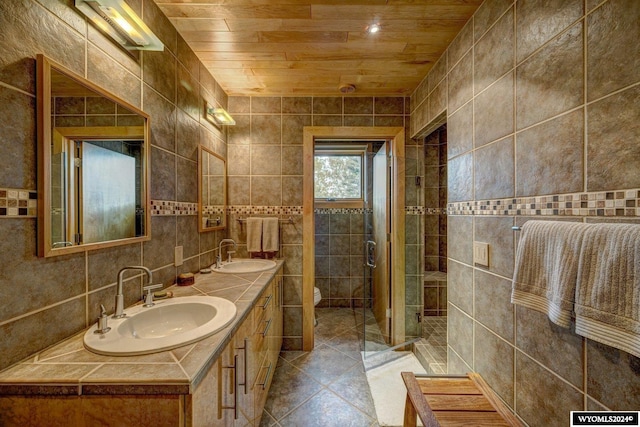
point(374, 28)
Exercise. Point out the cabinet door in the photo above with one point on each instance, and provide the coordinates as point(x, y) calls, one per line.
point(243, 361)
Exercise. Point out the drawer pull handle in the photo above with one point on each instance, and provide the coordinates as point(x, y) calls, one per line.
point(266, 377)
point(266, 328)
point(267, 302)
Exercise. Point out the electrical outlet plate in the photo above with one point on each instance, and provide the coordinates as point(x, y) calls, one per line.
point(481, 253)
point(177, 256)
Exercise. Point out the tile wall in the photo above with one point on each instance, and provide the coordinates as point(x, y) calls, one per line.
point(340, 257)
point(265, 171)
point(542, 100)
point(64, 292)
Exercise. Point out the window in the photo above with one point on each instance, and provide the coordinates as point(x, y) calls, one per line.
point(339, 174)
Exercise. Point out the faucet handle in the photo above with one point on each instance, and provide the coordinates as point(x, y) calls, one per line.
point(148, 298)
point(103, 327)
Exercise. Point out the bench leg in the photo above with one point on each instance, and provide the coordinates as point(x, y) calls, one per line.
point(410, 413)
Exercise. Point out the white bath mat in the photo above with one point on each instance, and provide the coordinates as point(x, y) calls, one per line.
point(386, 385)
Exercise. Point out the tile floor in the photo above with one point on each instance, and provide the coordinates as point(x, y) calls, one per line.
point(328, 386)
point(431, 350)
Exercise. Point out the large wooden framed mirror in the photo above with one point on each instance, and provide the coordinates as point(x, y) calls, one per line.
point(93, 165)
point(212, 191)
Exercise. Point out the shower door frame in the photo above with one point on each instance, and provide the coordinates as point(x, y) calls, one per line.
point(396, 137)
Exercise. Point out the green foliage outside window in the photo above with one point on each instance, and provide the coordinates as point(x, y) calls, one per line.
point(338, 176)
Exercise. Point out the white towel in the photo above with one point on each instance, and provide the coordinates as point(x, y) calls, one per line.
point(254, 234)
point(608, 289)
point(546, 268)
point(270, 234)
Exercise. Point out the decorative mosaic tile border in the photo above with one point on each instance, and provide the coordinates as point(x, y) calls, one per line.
point(169, 207)
point(621, 203)
point(213, 209)
point(333, 211)
point(265, 210)
point(421, 210)
point(18, 203)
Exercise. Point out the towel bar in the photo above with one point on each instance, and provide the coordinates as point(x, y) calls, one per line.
point(282, 221)
point(516, 228)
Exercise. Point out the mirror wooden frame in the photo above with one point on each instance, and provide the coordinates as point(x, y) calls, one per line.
point(201, 151)
point(44, 140)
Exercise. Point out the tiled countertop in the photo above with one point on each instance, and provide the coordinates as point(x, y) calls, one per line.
point(69, 369)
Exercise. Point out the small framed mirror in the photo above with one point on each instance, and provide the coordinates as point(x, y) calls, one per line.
point(212, 191)
point(93, 179)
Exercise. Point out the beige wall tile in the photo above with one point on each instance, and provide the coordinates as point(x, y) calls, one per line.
point(292, 128)
point(438, 100)
point(460, 83)
point(327, 105)
point(494, 52)
point(238, 190)
point(613, 50)
point(460, 178)
point(387, 105)
point(358, 105)
point(296, 105)
point(549, 157)
point(159, 72)
point(557, 348)
point(492, 301)
point(436, 75)
point(494, 170)
point(266, 104)
point(613, 152)
point(538, 21)
point(496, 231)
point(460, 131)
point(239, 160)
point(494, 360)
point(613, 377)
point(460, 45)
point(460, 334)
point(266, 191)
point(188, 93)
point(163, 125)
point(163, 175)
point(540, 94)
point(487, 14)
point(493, 112)
point(460, 286)
point(549, 408)
point(18, 162)
point(460, 246)
point(241, 132)
point(266, 160)
point(266, 129)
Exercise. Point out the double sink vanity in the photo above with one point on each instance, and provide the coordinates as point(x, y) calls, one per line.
point(204, 357)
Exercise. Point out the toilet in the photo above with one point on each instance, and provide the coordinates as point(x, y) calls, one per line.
point(317, 296)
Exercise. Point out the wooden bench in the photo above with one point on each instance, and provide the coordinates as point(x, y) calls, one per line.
point(453, 400)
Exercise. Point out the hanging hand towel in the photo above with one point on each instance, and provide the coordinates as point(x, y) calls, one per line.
point(608, 289)
point(546, 268)
point(254, 234)
point(270, 235)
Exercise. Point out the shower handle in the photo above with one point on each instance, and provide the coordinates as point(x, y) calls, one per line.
point(371, 253)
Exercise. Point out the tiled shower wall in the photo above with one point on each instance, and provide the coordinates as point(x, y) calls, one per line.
point(340, 257)
point(265, 171)
point(542, 102)
point(46, 300)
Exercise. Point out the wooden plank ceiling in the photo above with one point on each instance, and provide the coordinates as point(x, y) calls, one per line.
point(312, 47)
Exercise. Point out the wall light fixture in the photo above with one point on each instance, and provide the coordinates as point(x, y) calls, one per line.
point(220, 116)
point(118, 20)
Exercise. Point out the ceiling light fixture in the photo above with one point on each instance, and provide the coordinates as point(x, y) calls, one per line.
point(347, 88)
point(120, 22)
point(220, 116)
point(374, 28)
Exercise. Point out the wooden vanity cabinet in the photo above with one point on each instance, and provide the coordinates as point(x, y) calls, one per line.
point(234, 391)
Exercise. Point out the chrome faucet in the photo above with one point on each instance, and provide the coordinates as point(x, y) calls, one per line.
point(119, 296)
point(219, 257)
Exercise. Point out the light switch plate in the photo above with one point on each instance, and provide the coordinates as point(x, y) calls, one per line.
point(177, 256)
point(481, 253)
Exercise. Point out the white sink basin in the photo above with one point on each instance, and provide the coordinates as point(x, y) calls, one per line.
point(168, 324)
point(240, 265)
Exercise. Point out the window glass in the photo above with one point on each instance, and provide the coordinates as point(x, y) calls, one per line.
point(338, 176)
